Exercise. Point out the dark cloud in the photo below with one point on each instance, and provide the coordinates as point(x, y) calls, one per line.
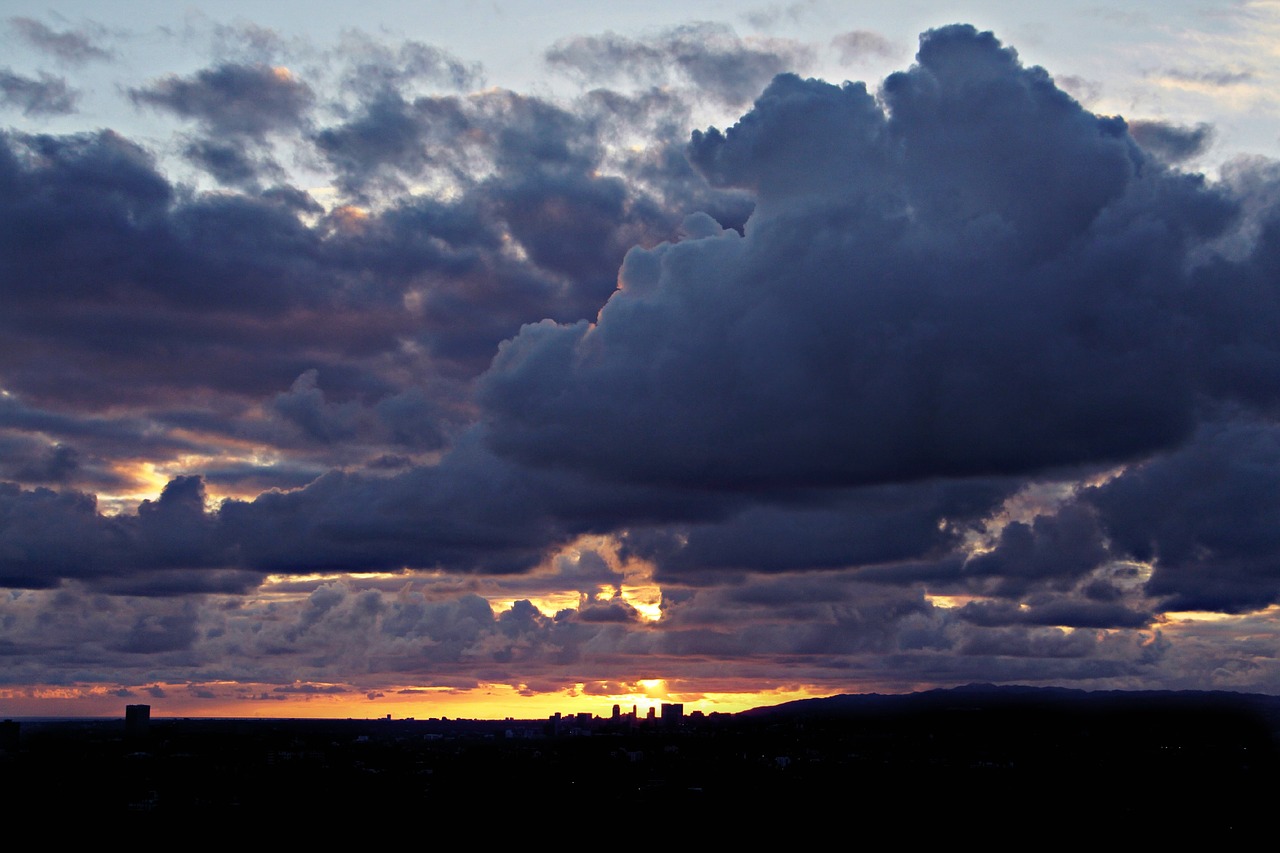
point(89, 219)
point(767, 17)
point(72, 46)
point(617, 611)
point(31, 458)
point(409, 419)
point(1058, 548)
point(586, 571)
point(244, 100)
point(856, 45)
point(28, 462)
point(375, 68)
point(1172, 143)
point(1080, 88)
point(1234, 299)
point(471, 512)
point(47, 95)
point(391, 140)
point(1203, 515)
point(711, 57)
point(250, 42)
point(108, 437)
point(1060, 613)
point(47, 537)
point(163, 295)
point(815, 624)
point(142, 277)
point(1036, 643)
point(262, 478)
point(305, 406)
point(1212, 76)
point(167, 633)
point(861, 528)
point(917, 294)
point(230, 161)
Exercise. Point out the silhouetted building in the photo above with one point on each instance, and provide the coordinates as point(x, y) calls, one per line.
point(136, 720)
point(617, 712)
point(9, 736)
point(672, 714)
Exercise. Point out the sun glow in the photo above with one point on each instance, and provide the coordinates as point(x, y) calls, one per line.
point(950, 602)
point(148, 482)
point(548, 605)
point(645, 599)
point(1198, 616)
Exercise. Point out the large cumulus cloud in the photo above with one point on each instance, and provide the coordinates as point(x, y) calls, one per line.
point(976, 277)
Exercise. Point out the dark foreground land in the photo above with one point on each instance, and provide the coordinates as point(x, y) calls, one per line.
point(1041, 764)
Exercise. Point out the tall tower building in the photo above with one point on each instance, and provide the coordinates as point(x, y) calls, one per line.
point(136, 720)
point(9, 736)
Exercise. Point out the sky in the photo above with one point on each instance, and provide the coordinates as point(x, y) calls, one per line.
point(444, 359)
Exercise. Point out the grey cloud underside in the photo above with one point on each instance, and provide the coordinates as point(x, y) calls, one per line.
point(711, 57)
point(248, 100)
point(855, 527)
point(45, 95)
point(801, 365)
point(375, 68)
point(231, 163)
point(1212, 76)
point(1171, 142)
point(159, 292)
point(860, 44)
point(1205, 516)
point(74, 47)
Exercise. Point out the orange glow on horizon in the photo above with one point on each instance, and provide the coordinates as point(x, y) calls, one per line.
point(315, 701)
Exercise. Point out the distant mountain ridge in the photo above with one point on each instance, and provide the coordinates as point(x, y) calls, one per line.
point(978, 696)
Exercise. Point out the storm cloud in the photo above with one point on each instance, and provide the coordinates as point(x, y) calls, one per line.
point(917, 294)
point(938, 379)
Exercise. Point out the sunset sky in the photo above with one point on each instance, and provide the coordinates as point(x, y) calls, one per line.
point(442, 358)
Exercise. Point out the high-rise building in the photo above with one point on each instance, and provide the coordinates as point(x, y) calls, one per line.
point(136, 720)
point(9, 736)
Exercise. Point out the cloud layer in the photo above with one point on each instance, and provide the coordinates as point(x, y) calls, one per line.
point(943, 380)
